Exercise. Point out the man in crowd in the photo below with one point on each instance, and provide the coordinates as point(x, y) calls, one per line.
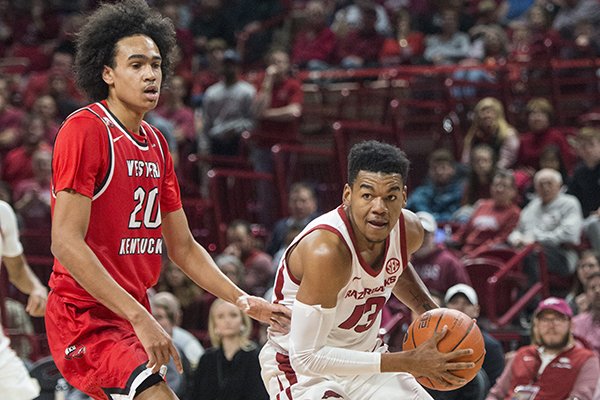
point(552, 367)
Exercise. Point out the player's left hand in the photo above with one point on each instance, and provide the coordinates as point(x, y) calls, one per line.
point(36, 303)
point(276, 315)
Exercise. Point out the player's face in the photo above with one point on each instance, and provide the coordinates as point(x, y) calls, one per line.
point(374, 203)
point(227, 320)
point(136, 77)
point(553, 329)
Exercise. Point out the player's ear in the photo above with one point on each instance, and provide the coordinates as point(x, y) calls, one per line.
point(346, 194)
point(107, 75)
point(404, 196)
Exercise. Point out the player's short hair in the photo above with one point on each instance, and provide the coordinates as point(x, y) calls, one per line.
point(109, 23)
point(374, 156)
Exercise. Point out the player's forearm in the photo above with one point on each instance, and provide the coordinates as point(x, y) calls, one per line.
point(20, 275)
point(200, 267)
point(411, 291)
point(88, 271)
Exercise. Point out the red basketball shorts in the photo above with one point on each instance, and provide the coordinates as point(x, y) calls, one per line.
point(95, 350)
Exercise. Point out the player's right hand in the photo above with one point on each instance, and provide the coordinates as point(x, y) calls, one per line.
point(438, 366)
point(157, 343)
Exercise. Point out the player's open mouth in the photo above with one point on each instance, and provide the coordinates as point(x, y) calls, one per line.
point(151, 93)
point(378, 224)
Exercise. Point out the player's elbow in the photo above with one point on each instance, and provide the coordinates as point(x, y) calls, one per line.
point(305, 362)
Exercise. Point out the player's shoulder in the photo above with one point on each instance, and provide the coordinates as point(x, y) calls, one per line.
point(325, 245)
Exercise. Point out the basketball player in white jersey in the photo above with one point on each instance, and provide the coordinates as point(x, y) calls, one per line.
point(15, 382)
point(336, 276)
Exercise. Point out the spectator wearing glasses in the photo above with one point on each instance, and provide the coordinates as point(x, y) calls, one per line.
point(552, 357)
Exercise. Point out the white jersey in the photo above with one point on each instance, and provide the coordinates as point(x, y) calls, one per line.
point(10, 246)
point(359, 303)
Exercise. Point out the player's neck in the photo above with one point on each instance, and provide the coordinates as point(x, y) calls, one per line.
point(131, 119)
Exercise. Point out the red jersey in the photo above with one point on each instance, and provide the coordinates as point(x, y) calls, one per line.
point(131, 181)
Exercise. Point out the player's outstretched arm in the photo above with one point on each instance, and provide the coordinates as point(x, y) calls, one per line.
point(18, 270)
point(27, 282)
point(196, 263)
point(69, 227)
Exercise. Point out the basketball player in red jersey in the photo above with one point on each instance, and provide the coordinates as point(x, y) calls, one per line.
point(336, 276)
point(115, 199)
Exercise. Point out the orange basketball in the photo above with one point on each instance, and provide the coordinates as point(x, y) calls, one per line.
point(463, 333)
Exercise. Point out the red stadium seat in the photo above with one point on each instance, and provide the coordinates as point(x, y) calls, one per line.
point(313, 165)
point(242, 194)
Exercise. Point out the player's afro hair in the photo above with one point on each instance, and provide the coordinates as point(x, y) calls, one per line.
point(374, 156)
point(109, 23)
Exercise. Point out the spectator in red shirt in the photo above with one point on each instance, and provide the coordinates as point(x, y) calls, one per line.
point(361, 47)
point(39, 82)
point(258, 264)
point(406, 47)
point(314, 45)
point(278, 106)
point(492, 220)
point(17, 165)
point(542, 135)
point(11, 119)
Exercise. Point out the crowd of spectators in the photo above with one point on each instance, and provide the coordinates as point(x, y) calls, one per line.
point(236, 73)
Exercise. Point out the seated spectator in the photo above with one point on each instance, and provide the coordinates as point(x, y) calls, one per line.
point(573, 13)
point(189, 295)
point(442, 193)
point(258, 264)
point(586, 325)
point(11, 120)
point(32, 196)
point(552, 357)
point(492, 220)
point(588, 265)
point(350, 17)
point(278, 108)
point(313, 46)
point(437, 266)
point(583, 44)
point(174, 108)
point(61, 66)
point(479, 180)
point(490, 127)
point(170, 320)
point(228, 110)
point(541, 135)
point(46, 108)
point(585, 182)
point(360, 48)
point(209, 71)
point(554, 220)
point(18, 166)
point(178, 382)
point(302, 208)
point(407, 45)
point(463, 298)
point(450, 45)
point(255, 25)
point(230, 369)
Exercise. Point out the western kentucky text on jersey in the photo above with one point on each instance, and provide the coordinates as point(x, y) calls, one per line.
point(146, 169)
point(140, 246)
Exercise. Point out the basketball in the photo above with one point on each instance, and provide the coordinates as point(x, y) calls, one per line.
point(463, 333)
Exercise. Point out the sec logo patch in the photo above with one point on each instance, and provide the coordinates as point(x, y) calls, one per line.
point(392, 266)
